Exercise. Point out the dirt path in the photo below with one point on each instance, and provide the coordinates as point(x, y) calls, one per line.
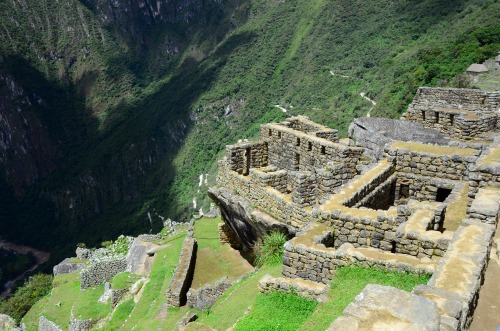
point(283, 109)
point(363, 95)
point(339, 75)
point(41, 257)
point(487, 313)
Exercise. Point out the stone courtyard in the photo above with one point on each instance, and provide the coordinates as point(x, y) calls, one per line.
point(419, 194)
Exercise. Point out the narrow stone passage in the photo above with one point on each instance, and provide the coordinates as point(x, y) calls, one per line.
point(487, 313)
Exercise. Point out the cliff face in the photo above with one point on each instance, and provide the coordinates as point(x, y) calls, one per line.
point(27, 152)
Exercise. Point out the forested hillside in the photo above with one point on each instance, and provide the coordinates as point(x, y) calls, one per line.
point(111, 110)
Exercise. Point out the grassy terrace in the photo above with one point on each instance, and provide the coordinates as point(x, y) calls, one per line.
point(241, 306)
point(65, 296)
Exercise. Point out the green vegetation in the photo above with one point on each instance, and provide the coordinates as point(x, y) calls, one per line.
point(124, 280)
point(277, 311)
point(270, 250)
point(214, 261)
point(35, 288)
point(139, 106)
point(233, 304)
point(145, 315)
point(347, 283)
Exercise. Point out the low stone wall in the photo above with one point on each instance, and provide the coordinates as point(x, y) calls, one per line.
point(275, 203)
point(486, 206)
point(486, 173)
point(183, 274)
point(80, 325)
point(45, 325)
point(304, 288)
point(306, 257)
point(206, 296)
point(102, 270)
point(116, 295)
point(455, 284)
point(440, 162)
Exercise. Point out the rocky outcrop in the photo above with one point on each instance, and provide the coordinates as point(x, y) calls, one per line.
point(240, 217)
point(375, 133)
point(67, 266)
point(386, 308)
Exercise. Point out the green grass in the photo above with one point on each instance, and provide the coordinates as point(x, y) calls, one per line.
point(144, 316)
point(347, 283)
point(206, 232)
point(65, 296)
point(233, 304)
point(213, 260)
point(124, 280)
point(120, 314)
point(277, 311)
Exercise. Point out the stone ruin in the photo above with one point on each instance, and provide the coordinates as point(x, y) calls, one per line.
point(419, 194)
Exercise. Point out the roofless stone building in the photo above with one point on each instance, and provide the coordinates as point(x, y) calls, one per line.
point(420, 194)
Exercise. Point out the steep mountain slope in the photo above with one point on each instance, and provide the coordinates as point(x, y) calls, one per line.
point(125, 104)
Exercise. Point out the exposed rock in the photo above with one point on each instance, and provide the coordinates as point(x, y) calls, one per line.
point(67, 267)
point(374, 133)
point(7, 323)
point(386, 308)
point(139, 260)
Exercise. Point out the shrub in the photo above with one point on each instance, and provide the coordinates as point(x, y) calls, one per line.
point(26, 296)
point(270, 250)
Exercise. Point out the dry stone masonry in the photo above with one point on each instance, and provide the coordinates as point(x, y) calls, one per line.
point(419, 194)
point(183, 274)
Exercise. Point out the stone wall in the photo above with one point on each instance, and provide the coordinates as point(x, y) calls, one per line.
point(206, 296)
point(304, 288)
point(486, 206)
point(80, 325)
point(183, 274)
point(275, 203)
point(307, 257)
point(380, 307)
point(453, 98)
point(455, 284)
point(245, 155)
point(460, 113)
point(97, 272)
point(45, 325)
point(486, 173)
point(293, 150)
point(303, 187)
point(228, 236)
point(441, 162)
